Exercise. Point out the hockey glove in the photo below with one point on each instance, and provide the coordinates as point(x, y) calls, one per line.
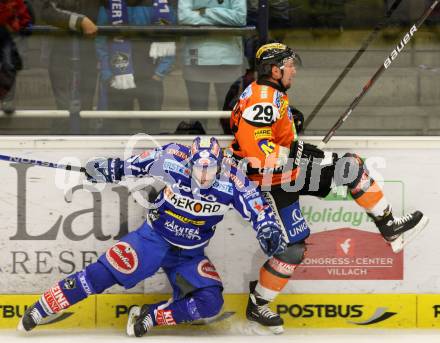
point(312, 153)
point(104, 170)
point(298, 119)
point(271, 240)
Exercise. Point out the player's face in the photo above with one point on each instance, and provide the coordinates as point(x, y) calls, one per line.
point(289, 72)
point(204, 176)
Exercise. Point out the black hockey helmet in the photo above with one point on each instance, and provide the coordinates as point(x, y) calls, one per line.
point(274, 54)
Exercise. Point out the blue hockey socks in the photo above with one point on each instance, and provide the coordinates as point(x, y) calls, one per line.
point(94, 279)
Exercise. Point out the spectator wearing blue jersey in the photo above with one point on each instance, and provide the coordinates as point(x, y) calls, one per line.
point(199, 187)
point(134, 68)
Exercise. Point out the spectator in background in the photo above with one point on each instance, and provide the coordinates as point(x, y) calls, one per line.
point(279, 13)
point(216, 59)
point(134, 68)
point(15, 16)
point(78, 16)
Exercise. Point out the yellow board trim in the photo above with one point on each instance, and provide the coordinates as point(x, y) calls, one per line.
point(298, 311)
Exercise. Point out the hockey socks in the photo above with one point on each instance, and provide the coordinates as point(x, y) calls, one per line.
point(62, 295)
point(200, 304)
point(67, 292)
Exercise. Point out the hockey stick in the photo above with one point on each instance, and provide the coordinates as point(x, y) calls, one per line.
point(42, 163)
point(388, 61)
point(350, 64)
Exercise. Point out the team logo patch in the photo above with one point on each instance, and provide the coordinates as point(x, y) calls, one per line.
point(122, 257)
point(284, 108)
point(247, 93)
point(54, 300)
point(266, 146)
point(69, 283)
point(262, 133)
point(184, 219)
point(282, 267)
point(224, 187)
point(193, 206)
point(277, 96)
point(147, 154)
point(177, 153)
point(165, 317)
point(84, 284)
point(176, 167)
point(290, 115)
point(257, 205)
point(183, 231)
point(120, 61)
point(207, 269)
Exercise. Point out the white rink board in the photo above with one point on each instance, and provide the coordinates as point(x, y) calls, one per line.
point(45, 245)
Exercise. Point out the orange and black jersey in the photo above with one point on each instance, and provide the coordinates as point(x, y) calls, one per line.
point(264, 132)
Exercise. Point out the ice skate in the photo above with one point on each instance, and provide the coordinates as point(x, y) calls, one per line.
point(31, 318)
point(398, 232)
point(258, 311)
point(139, 321)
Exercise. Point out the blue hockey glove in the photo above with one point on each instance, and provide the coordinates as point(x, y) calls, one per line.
point(104, 170)
point(271, 240)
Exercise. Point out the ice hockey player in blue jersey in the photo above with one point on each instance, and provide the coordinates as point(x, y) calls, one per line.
point(199, 186)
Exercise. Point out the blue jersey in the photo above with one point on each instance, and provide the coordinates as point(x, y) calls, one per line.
point(186, 215)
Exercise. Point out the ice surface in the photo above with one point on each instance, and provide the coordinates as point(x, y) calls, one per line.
point(291, 336)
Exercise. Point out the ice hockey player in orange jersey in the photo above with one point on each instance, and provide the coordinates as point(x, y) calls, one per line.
point(285, 168)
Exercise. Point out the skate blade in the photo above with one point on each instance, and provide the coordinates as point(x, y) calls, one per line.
point(400, 242)
point(20, 326)
point(261, 330)
point(133, 315)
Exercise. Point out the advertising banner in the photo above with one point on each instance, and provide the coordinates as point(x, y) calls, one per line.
point(52, 223)
point(110, 311)
point(348, 252)
point(428, 311)
point(81, 315)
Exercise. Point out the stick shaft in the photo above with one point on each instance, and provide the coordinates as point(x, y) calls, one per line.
point(388, 61)
point(40, 163)
point(350, 64)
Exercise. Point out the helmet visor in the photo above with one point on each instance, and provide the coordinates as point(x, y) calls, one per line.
point(292, 58)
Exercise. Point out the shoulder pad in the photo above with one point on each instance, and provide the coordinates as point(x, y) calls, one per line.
point(247, 93)
point(176, 151)
point(277, 98)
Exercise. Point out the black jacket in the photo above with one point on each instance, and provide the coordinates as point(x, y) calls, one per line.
point(10, 62)
point(68, 14)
